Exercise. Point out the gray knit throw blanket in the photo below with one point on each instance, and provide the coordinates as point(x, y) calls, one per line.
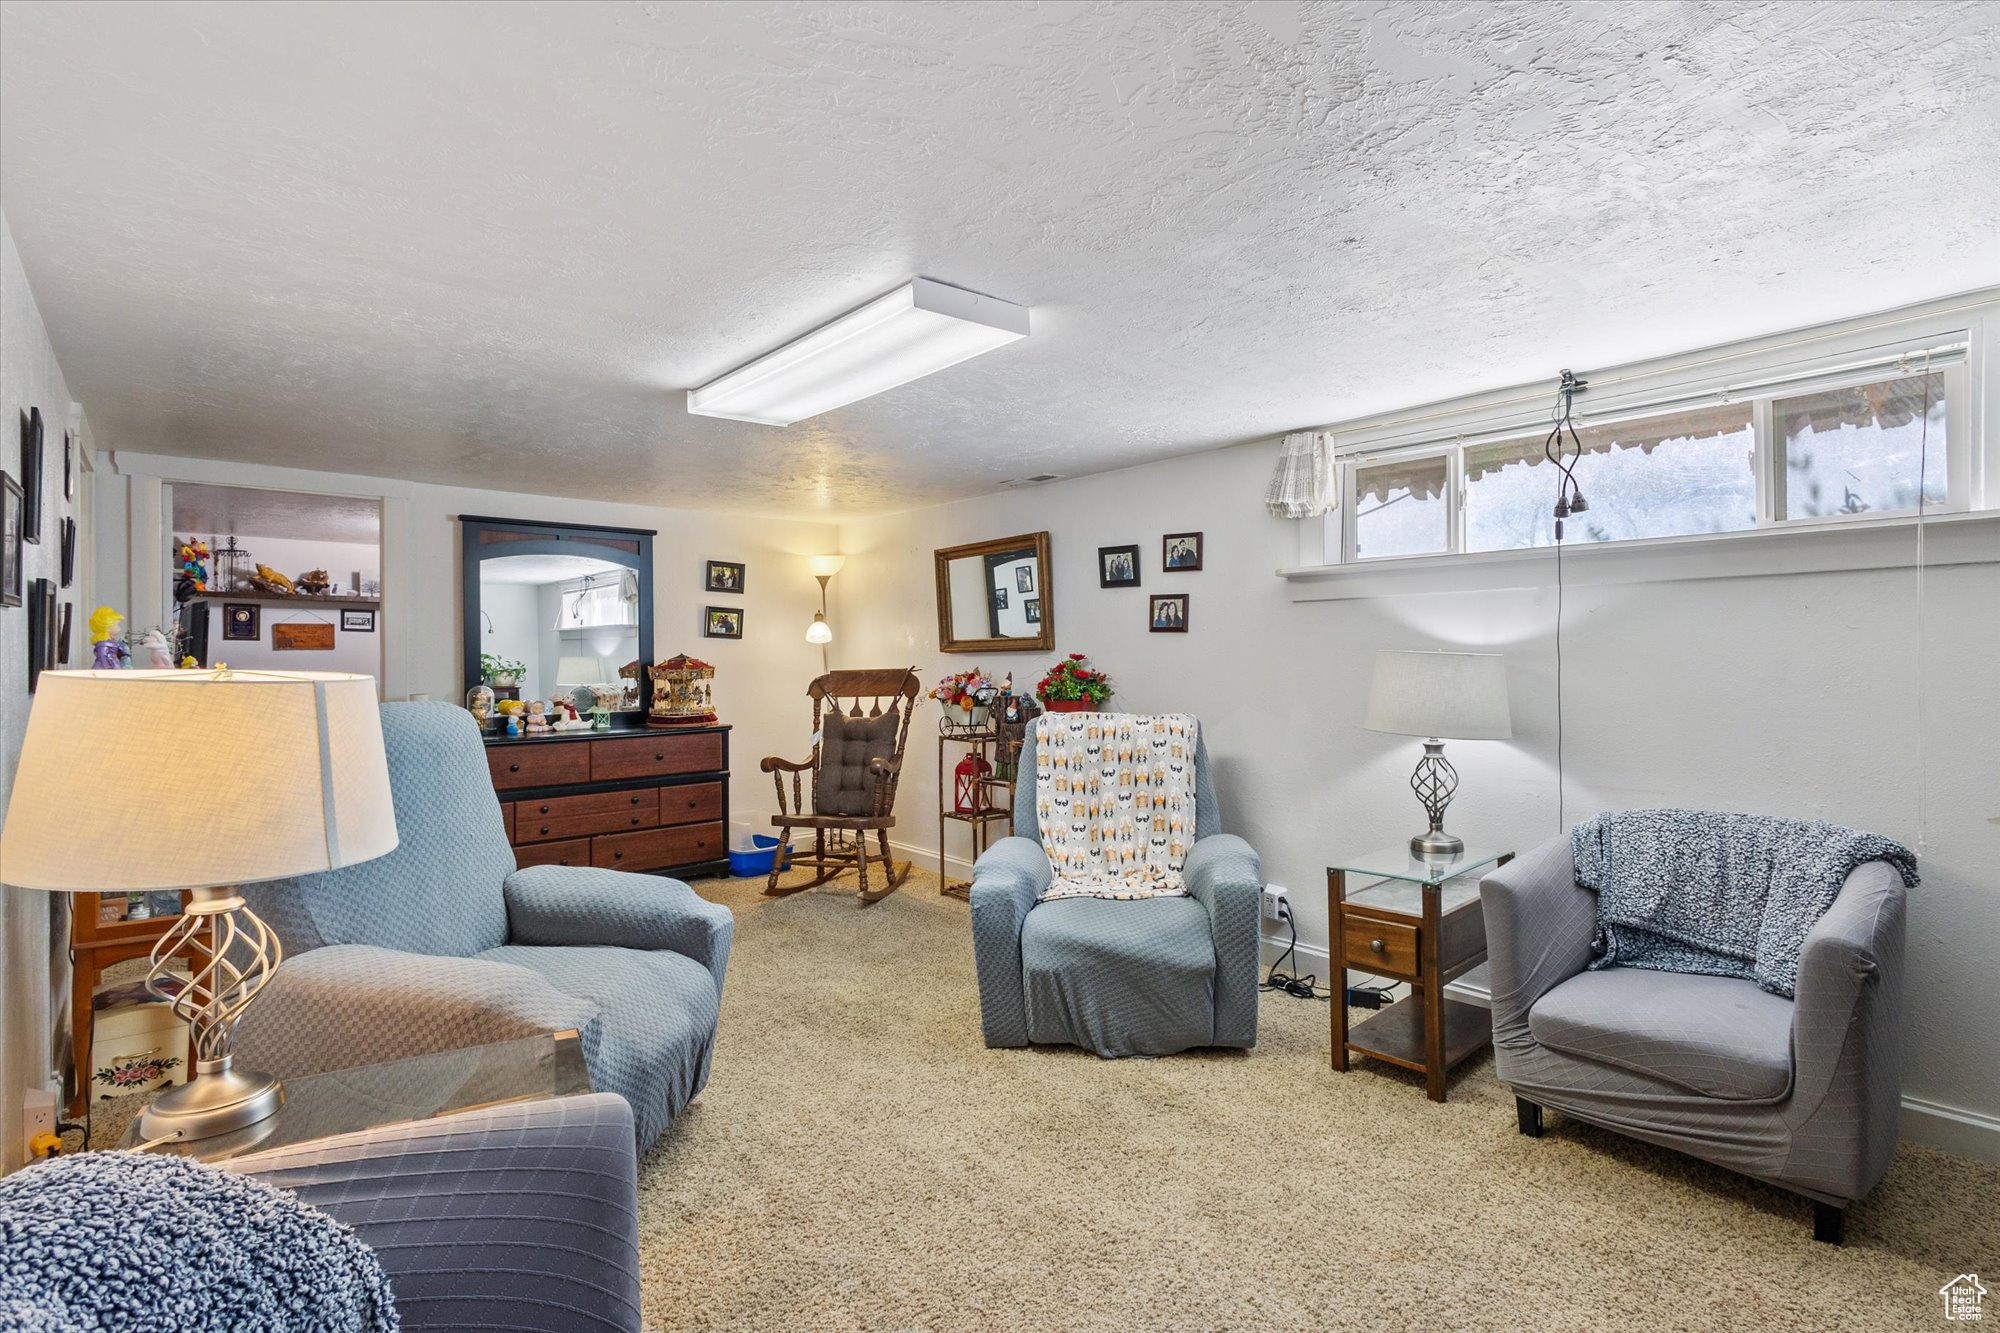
point(1714, 893)
point(124, 1240)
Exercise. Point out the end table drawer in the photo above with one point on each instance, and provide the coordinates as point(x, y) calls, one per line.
point(559, 764)
point(576, 816)
point(1373, 944)
point(573, 852)
point(660, 755)
point(651, 849)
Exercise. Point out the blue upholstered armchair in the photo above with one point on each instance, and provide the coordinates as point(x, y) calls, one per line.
point(443, 944)
point(1119, 977)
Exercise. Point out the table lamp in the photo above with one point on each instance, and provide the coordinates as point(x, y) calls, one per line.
point(580, 671)
point(200, 780)
point(1439, 696)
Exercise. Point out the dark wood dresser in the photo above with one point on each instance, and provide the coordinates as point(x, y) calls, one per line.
point(653, 800)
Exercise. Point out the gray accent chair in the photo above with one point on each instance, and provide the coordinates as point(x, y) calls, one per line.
point(1141, 977)
point(1802, 1093)
point(443, 944)
point(521, 1217)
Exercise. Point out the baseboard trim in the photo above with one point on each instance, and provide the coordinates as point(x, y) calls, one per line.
point(1950, 1129)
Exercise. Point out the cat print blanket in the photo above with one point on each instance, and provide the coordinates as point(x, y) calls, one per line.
point(1114, 794)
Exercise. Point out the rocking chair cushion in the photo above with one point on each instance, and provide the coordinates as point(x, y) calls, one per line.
point(844, 784)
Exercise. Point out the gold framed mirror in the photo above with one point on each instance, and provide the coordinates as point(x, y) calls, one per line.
point(996, 596)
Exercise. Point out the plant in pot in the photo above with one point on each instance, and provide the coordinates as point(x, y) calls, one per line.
point(967, 697)
point(499, 671)
point(1074, 686)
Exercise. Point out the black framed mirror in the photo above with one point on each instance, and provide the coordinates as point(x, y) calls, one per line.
point(557, 610)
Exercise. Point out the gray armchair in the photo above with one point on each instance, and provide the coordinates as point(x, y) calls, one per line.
point(1802, 1093)
point(522, 1217)
point(443, 943)
point(1141, 977)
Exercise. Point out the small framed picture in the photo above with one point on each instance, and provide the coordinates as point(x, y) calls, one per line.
point(725, 576)
point(1024, 579)
point(722, 622)
point(68, 551)
point(1169, 613)
point(41, 629)
point(62, 636)
point(69, 465)
point(359, 621)
point(31, 475)
point(10, 541)
point(241, 620)
point(1181, 552)
point(1118, 566)
point(1033, 608)
point(999, 599)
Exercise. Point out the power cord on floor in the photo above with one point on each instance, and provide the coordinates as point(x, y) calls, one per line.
point(1307, 987)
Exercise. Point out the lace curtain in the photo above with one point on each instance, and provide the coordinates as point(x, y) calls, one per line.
point(1302, 486)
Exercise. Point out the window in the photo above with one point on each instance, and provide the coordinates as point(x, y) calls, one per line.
point(1803, 449)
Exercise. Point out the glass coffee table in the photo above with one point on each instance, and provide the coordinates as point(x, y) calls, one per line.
point(422, 1087)
point(1419, 921)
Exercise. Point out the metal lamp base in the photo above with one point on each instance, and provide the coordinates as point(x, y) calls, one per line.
point(1436, 845)
point(216, 1102)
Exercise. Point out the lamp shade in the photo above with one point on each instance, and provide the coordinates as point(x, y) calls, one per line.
point(138, 780)
point(819, 631)
point(1452, 696)
point(580, 671)
point(825, 566)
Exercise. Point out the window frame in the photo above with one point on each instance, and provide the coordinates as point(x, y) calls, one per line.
point(1950, 352)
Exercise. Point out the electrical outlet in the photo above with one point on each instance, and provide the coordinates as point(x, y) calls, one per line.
point(1277, 903)
point(38, 1117)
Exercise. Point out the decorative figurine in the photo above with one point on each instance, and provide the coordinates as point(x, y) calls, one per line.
point(510, 709)
point(313, 583)
point(479, 703)
point(193, 556)
point(271, 581)
point(107, 637)
point(538, 721)
point(159, 655)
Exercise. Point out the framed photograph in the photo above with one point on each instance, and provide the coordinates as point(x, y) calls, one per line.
point(69, 465)
point(68, 551)
point(10, 541)
point(241, 620)
point(1169, 613)
point(1033, 609)
point(1180, 552)
point(31, 475)
point(62, 636)
point(1024, 579)
point(1118, 566)
point(41, 629)
point(999, 599)
point(724, 576)
point(361, 622)
point(722, 622)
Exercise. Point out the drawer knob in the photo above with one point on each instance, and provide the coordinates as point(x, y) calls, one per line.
point(618, 856)
point(563, 862)
point(544, 810)
point(635, 800)
point(545, 828)
point(659, 756)
point(1376, 946)
point(692, 804)
point(513, 768)
point(635, 819)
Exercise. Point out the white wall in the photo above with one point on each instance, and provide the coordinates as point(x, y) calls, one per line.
point(760, 679)
point(29, 376)
point(1794, 695)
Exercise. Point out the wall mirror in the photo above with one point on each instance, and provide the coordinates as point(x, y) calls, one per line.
point(569, 605)
point(996, 597)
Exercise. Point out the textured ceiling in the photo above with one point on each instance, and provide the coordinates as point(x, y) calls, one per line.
point(319, 518)
point(492, 243)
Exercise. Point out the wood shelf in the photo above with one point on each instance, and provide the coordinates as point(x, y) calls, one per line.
point(272, 599)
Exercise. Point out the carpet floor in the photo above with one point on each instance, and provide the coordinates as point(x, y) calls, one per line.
point(861, 1161)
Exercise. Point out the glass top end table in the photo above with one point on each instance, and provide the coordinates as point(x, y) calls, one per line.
point(421, 1087)
point(1419, 923)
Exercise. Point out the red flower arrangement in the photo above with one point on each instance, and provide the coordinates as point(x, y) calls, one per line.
point(1073, 682)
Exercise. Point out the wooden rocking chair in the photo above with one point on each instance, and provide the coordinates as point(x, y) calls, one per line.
point(855, 767)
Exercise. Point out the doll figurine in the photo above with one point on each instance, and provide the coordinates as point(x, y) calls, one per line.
point(538, 722)
point(159, 656)
point(108, 650)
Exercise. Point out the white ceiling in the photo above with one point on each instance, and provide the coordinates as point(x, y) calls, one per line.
point(222, 510)
point(492, 243)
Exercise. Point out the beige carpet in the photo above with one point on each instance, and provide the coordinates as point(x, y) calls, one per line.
point(861, 1161)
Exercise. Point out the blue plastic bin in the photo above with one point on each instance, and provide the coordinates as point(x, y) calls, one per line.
point(757, 861)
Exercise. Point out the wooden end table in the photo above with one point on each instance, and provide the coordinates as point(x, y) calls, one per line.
point(1420, 923)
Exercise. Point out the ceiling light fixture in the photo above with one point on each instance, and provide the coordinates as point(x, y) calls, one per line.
point(916, 330)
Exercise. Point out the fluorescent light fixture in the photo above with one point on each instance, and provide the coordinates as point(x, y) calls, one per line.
point(914, 331)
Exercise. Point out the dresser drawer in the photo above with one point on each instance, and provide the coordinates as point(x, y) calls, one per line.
point(692, 803)
point(656, 756)
point(507, 818)
point(560, 763)
point(1375, 944)
point(653, 848)
point(574, 852)
point(577, 816)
